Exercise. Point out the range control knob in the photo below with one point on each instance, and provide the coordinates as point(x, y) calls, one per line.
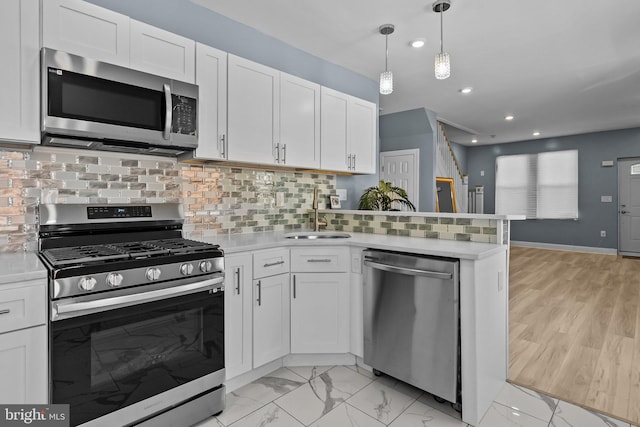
point(186, 269)
point(87, 283)
point(114, 279)
point(153, 273)
point(206, 266)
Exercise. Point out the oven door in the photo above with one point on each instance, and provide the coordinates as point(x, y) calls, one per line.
point(120, 365)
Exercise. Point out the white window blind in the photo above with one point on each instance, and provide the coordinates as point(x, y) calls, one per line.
point(543, 186)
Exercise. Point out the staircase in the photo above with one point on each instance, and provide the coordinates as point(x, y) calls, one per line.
point(447, 166)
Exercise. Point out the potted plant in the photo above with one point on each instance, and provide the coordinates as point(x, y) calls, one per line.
point(382, 197)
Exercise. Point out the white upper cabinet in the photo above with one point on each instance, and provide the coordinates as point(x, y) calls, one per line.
point(299, 141)
point(348, 133)
point(253, 111)
point(362, 135)
point(211, 78)
point(85, 29)
point(19, 76)
point(157, 51)
point(91, 31)
point(333, 118)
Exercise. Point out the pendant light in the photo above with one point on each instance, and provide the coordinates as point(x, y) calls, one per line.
point(442, 61)
point(386, 77)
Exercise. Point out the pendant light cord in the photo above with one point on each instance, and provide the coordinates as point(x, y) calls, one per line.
point(386, 57)
point(441, 30)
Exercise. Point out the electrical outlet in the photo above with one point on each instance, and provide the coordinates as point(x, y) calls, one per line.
point(603, 233)
point(481, 173)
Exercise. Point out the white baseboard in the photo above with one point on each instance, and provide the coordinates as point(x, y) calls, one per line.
point(571, 248)
point(248, 377)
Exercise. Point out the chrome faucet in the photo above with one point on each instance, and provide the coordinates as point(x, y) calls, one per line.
point(316, 222)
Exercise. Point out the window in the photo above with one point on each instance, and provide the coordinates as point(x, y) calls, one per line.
point(543, 186)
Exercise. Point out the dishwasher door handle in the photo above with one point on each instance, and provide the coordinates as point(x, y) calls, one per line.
point(407, 271)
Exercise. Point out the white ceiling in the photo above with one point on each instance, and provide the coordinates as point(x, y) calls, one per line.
point(560, 67)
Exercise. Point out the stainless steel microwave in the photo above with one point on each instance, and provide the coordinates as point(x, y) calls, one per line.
point(96, 105)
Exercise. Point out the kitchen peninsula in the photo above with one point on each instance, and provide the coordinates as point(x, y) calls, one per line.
point(483, 290)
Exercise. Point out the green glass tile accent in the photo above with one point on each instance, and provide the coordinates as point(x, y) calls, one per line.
point(425, 227)
point(411, 226)
point(392, 232)
point(406, 233)
point(431, 220)
point(369, 230)
point(386, 225)
point(489, 230)
point(431, 235)
point(463, 221)
point(404, 219)
point(368, 217)
point(357, 217)
point(446, 221)
point(358, 229)
point(472, 230)
point(463, 237)
point(392, 218)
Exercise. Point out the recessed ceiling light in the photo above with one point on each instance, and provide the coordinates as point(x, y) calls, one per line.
point(474, 141)
point(508, 118)
point(418, 43)
point(536, 133)
point(466, 90)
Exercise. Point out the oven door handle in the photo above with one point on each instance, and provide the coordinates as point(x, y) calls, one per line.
point(65, 310)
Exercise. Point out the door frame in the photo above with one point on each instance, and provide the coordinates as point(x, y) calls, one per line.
point(415, 153)
point(619, 207)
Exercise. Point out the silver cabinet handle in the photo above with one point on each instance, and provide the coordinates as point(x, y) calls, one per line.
point(259, 284)
point(223, 149)
point(284, 153)
point(407, 271)
point(354, 162)
point(624, 212)
point(5, 311)
point(238, 280)
point(168, 114)
point(272, 264)
point(277, 153)
point(318, 260)
point(349, 162)
point(294, 287)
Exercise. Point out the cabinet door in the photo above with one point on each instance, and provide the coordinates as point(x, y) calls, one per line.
point(211, 78)
point(271, 321)
point(333, 130)
point(299, 122)
point(319, 313)
point(85, 29)
point(237, 314)
point(362, 135)
point(23, 366)
point(156, 51)
point(253, 110)
point(19, 77)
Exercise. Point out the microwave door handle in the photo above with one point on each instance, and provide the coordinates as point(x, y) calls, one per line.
point(168, 118)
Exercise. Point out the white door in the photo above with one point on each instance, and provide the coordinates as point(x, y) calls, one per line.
point(157, 51)
point(629, 210)
point(211, 77)
point(271, 321)
point(20, 75)
point(238, 324)
point(319, 313)
point(402, 169)
point(253, 111)
point(299, 142)
point(84, 29)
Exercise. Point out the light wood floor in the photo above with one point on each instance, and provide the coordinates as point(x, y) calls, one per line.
point(575, 328)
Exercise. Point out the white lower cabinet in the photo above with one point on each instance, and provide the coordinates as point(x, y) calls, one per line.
point(319, 313)
point(23, 343)
point(270, 318)
point(319, 300)
point(238, 317)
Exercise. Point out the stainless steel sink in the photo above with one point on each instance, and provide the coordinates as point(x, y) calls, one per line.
point(317, 235)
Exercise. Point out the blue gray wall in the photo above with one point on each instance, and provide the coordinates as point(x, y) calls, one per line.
point(198, 23)
point(593, 181)
point(413, 129)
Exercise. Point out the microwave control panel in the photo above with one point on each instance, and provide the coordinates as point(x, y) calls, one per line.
point(184, 115)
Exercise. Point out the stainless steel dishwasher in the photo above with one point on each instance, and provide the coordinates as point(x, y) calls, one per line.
point(411, 320)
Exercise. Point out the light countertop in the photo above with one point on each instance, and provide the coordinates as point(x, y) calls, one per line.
point(425, 214)
point(446, 248)
point(21, 267)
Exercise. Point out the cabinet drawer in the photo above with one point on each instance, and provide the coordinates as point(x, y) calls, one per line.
point(270, 262)
point(319, 260)
point(22, 307)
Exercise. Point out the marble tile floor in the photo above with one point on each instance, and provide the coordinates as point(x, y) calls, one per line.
point(349, 396)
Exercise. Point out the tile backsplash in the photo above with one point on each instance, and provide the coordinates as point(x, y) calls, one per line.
point(217, 199)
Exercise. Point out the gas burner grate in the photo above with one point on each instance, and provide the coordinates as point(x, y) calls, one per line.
point(181, 246)
point(143, 249)
point(82, 254)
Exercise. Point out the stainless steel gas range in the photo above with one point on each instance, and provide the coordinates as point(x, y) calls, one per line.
point(136, 332)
